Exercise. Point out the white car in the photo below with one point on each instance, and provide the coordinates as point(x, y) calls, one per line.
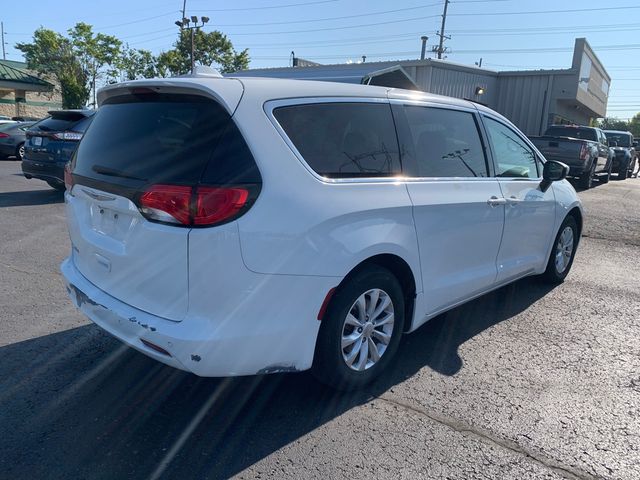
point(246, 226)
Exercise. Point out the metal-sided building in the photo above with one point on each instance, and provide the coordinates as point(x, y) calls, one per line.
point(531, 99)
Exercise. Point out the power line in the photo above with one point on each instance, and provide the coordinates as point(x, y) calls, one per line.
point(329, 18)
point(136, 21)
point(338, 28)
point(573, 10)
point(514, 50)
point(266, 7)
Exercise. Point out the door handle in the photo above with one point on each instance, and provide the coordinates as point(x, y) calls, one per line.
point(513, 201)
point(495, 201)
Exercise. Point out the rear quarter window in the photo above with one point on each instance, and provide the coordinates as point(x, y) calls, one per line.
point(343, 140)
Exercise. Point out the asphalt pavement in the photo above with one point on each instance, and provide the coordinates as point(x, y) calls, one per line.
point(528, 382)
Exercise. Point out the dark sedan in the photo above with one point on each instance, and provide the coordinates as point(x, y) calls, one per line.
point(50, 144)
point(12, 138)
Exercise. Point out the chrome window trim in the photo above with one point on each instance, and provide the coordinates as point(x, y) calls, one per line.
point(270, 105)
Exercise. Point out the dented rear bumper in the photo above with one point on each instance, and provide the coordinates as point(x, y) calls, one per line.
point(214, 347)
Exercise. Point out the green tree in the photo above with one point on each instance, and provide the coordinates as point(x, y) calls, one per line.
point(612, 123)
point(634, 125)
point(134, 64)
point(97, 53)
point(52, 54)
point(212, 48)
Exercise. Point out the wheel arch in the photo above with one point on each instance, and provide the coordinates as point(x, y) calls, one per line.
point(403, 273)
point(577, 215)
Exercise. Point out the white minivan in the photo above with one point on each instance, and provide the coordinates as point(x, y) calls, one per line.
point(241, 226)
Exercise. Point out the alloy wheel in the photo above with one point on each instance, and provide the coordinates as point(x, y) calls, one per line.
point(367, 329)
point(564, 249)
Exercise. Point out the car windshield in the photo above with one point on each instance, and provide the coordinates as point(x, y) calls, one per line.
point(622, 139)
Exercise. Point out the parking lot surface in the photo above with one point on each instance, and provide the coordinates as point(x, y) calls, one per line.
point(528, 382)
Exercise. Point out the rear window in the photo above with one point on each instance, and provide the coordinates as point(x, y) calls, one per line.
point(162, 138)
point(342, 140)
point(573, 132)
point(57, 123)
point(622, 139)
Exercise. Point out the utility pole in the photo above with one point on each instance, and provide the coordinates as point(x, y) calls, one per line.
point(441, 34)
point(193, 58)
point(4, 54)
point(184, 8)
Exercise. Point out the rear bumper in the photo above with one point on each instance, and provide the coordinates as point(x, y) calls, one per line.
point(44, 170)
point(214, 347)
point(6, 149)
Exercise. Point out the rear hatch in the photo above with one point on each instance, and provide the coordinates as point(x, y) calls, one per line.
point(56, 137)
point(138, 190)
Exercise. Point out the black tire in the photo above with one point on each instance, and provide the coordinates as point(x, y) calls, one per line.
point(56, 185)
point(20, 151)
point(624, 172)
point(552, 274)
point(607, 176)
point(586, 179)
point(329, 365)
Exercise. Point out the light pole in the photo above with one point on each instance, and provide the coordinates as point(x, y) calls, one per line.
point(185, 23)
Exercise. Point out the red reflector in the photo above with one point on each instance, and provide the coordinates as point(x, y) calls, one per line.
point(214, 205)
point(167, 203)
point(325, 304)
point(4, 135)
point(155, 347)
point(68, 178)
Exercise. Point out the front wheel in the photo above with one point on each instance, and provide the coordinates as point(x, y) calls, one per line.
point(563, 252)
point(624, 172)
point(361, 330)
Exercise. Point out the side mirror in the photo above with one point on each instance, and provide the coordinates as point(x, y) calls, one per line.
point(613, 143)
point(553, 172)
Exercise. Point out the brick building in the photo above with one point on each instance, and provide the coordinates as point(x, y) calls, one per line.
point(24, 94)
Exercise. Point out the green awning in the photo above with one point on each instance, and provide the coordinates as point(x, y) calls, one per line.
point(9, 73)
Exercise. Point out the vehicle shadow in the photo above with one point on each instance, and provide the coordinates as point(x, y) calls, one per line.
point(78, 404)
point(30, 197)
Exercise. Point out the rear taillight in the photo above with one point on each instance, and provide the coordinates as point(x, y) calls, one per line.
point(68, 177)
point(193, 206)
point(4, 135)
point(215, 205)
point(167, 203)
point(73, 136)
point(584, 152)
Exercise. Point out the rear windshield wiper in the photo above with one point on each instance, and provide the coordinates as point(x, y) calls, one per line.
point(112, 172)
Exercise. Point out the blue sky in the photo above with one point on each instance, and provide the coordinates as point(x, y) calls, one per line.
point(507, 34)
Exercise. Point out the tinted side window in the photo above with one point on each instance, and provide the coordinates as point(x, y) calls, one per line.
point(442, 143)
point(343, 139)
point(513, 157)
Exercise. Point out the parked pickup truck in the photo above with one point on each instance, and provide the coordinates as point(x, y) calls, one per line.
point(585, 149)
point(624, 161)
